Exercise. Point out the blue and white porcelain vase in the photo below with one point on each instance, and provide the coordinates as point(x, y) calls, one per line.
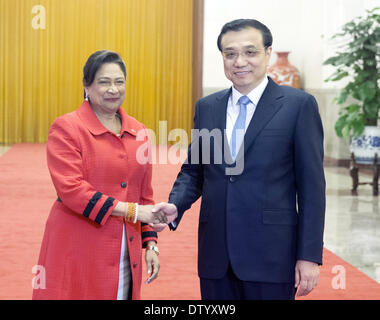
point(365, 146)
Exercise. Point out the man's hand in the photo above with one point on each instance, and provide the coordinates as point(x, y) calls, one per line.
point(306, 277)
point(170, 211)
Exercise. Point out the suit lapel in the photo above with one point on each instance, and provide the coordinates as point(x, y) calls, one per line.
point(220, 118)
point(220, 109)
point(270, 103)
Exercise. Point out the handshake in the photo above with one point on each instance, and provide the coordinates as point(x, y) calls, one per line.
point(159, 215)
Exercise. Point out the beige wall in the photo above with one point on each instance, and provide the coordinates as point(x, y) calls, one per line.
point(335, 147)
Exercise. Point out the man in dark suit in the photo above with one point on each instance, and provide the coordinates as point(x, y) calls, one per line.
point(261, 180)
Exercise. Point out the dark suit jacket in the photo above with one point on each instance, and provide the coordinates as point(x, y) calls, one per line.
point(271, 213)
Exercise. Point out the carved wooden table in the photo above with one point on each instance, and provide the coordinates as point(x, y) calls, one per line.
point(354, 173)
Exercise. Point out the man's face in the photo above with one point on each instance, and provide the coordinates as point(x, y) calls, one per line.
point(245, 58)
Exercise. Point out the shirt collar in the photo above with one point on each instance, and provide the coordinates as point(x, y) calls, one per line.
point(254, 95)
point(88, 117)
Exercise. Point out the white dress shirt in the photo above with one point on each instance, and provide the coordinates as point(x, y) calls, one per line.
point(233, 108)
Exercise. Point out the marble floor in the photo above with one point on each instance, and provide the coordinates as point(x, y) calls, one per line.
point(352, 225)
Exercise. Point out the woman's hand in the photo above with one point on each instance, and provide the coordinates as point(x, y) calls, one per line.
point(145, 213)
point(152, 263)
point(148, 216)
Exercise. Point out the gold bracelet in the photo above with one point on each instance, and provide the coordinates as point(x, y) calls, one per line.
point(131, 212)
point(127, 212)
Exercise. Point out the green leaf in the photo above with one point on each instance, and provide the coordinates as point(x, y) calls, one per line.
point(343, 96)
point(331, 61)
point(371, 109)
point(349, 26)
point(339, 125)
point(353, 108)
point(358, 128)
point(370, 62)
point(372, 48)
point(340, 76)
point(362, 76)
point(346, 132)
point(367, 91)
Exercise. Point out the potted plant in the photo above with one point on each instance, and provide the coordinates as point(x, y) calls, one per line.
point(358, 60)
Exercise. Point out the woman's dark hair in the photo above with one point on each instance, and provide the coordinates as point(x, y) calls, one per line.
point(96, 60)
point(240, 24)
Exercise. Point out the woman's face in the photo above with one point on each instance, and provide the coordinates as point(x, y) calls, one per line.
point(107, 91)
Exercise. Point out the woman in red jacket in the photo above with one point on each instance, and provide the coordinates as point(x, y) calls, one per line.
point(93, 240)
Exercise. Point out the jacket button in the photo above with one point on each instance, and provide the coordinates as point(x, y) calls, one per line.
point(123, 184)
point(232, 179)
point(130, 238)
point(135, 265)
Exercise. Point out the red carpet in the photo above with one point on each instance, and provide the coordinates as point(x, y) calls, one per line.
point(27, 193)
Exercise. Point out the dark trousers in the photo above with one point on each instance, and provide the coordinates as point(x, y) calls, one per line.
point(232, 288)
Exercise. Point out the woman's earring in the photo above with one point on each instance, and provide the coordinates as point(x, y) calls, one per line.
point(86, 98)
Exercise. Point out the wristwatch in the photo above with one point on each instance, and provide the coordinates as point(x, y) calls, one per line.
point(154, 248)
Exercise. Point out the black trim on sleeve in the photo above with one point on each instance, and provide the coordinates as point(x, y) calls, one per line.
point(103, 210)
point(148, 234)
point(91, 204)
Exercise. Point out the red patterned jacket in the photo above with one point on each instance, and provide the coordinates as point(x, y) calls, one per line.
point(92, 169)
